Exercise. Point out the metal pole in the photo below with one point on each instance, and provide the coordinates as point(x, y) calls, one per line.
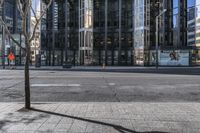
point(35, 42)
point(120, 32)
point(53, 33)
point(20, 50)
point(157, 18)
point(157, 42)
point(106, 33)
point(3, 39)
point(66, 32)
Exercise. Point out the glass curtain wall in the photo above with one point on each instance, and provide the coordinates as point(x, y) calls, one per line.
point(43, 39)
point(197, 28)
point(13, 19)
point(86, 32)
point(191, 22)
point(59, 35)
point(72, 35)
point(196, 47)
point(175, 21)
point(55, 32)
point(127, 32)
point(113, 32)
point(141, 30)
point(122, 31)
point(99, 31)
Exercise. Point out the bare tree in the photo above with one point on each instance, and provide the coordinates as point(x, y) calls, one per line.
point(25, 8)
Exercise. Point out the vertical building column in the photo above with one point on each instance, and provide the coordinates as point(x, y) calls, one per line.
point(141, 30)
point(81, 32)
point(79, 37)
point(3, 37)
point(66, 31)
point(15, 18)
point(170, 23)
point(120, 21)
point(163, 23)
point(133, 25)
point(20, 50)
point(53, 33)
point(185, 23)
point(178, 22)
point(106, 32)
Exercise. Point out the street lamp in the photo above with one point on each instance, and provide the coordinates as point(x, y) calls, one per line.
point(157, 18)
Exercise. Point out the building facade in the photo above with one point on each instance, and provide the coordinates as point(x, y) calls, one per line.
point(35, 44)
point(121, 32)
point(11, 16)
point(38, 6)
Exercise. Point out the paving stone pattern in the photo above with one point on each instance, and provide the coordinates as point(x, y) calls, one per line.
point(105, 117)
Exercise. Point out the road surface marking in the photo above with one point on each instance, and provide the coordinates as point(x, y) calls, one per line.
point(74, 85)
point(111, 84)
point(55, 85)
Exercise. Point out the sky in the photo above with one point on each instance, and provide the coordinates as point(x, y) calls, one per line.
point(191, 3)
point(36, 5)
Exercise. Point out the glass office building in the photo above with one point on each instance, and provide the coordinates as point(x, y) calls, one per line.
point(193, 24)
point(121, 32)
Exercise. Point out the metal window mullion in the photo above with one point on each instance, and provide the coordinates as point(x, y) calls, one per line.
point(120, 17)
point(66, 30)
point(106, 31)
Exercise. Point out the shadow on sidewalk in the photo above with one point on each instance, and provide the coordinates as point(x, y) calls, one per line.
point(119, 128)
point(13, 119)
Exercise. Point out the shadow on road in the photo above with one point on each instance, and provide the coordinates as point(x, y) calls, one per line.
point(119, 128)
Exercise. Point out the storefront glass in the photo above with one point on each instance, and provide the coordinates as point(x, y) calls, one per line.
point(171, 57)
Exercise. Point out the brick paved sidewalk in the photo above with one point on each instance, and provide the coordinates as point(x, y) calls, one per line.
point(101, 117)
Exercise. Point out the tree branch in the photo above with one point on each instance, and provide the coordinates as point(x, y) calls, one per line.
point(27, 5)
point(39, 20)
point(34, 13)
point(1, 3)
point(20, 8)
point(10, 35)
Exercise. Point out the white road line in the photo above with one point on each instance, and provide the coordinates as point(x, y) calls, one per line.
point(55, 85)
point(111, 84)
point(74, 85)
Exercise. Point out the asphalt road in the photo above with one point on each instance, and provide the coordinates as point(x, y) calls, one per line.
point(77, 86)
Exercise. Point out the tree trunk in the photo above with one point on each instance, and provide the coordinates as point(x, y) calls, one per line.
point(27, 79)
